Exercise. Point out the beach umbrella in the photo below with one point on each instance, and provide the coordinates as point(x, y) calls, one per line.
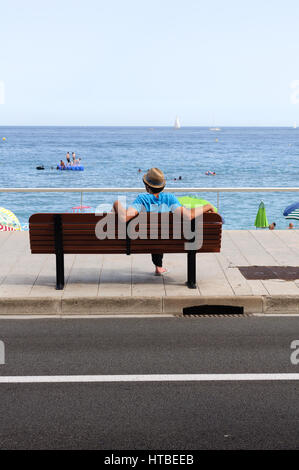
point(292, 211)
point(190, 202)
point(8, 221)
point(261, 217)
point(80, 208)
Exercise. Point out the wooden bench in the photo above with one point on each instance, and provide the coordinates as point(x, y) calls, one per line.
point(75, 234)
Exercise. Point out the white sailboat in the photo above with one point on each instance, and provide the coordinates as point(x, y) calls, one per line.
point(214, 128)
point(177, 124)
point(295, 125)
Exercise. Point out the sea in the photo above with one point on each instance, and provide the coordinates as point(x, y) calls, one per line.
point(119, 156)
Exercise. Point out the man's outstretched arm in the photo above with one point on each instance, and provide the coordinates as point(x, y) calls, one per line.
point(124, 214)
point(195, 212)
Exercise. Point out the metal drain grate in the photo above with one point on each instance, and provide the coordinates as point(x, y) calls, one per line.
point(244, 315)
point(214, 311)
point(285, 273)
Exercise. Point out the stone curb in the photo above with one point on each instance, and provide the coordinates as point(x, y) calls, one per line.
point(29, 306)
point(111, 305)
point(142, 305)
point(278, 304)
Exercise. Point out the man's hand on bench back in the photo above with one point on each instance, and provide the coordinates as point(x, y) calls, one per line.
point(124, 214)
point(190, 214)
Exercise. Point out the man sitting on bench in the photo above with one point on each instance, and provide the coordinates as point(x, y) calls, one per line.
point(155, 200)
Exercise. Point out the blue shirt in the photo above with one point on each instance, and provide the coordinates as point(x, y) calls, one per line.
point(146, 202)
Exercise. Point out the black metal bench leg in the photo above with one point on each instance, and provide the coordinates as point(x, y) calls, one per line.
point(59, 252)
point(191, 269)
point(59, 271)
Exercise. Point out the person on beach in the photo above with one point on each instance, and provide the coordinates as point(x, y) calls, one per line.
point(291, 226)
point(272, 226)
point(156, 200)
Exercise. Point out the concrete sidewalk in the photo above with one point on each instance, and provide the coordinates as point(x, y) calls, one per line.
point(120, 284)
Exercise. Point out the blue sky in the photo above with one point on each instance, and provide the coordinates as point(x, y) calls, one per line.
point(116, 62)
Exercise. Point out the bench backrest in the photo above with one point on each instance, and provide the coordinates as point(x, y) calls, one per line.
point(78, 233)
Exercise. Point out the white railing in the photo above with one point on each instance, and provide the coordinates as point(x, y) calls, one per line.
point(135, 190)
point(138, 190)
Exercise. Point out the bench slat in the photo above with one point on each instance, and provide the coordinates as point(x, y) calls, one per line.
point(94, 240)
point(86, 218)
point(122, 251)
point(91, 227)
point(118, 243)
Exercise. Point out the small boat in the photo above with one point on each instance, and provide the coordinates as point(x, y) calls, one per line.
point(295, 125)
point(215, 129)
point(177, 124)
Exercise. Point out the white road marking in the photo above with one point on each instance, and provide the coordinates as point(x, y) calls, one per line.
point(148, 378)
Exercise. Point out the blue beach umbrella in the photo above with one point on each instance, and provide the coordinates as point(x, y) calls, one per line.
point(292, 211)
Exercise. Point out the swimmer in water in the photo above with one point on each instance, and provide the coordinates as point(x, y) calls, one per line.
point(68, 158)
point(62, 164)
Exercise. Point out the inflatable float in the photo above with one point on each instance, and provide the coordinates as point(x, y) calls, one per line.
point(72, 168)
point(191, 202)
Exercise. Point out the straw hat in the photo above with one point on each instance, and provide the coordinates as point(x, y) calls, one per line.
point(154, 178)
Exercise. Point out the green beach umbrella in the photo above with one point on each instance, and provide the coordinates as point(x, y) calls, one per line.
point(191, 202)
point(261, 220)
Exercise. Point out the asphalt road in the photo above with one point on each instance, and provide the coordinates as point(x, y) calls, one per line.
point(183, 415)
